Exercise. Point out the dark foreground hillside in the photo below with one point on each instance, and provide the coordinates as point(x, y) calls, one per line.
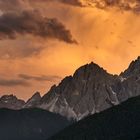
point(121, 122)
point(29, 124)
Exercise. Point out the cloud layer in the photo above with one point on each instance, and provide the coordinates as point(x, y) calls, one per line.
point(29, 22)
point(23, 80)
point(13, 83)
point(72, 2)
point(51, 78)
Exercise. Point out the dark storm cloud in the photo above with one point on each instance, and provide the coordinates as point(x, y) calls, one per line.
point(13, 82)
point(72, 2)
point(19, 5)
point(50, 78)
point(31, 22)
point(131, 5)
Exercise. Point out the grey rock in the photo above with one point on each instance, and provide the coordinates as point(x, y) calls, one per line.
point(11, 102)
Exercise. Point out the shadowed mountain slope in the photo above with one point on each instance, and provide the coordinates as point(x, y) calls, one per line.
point(29, 124)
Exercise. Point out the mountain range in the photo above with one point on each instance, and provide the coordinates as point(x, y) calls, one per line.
point(90, 90)
point(99, 101)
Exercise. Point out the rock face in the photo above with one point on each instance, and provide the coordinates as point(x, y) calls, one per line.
point(90, 90)
point(11, 102)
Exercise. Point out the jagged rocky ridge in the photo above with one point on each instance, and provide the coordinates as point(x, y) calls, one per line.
point(11, 102)
point(90, 90)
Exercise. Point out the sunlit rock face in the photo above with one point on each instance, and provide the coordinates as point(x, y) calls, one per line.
point(11, 102)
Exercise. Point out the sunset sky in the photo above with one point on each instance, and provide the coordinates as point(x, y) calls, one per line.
point(42, 41)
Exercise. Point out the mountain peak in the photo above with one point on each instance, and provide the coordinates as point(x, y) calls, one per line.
point(138, 58)
point(33, 101)
point(89, 70)
point(8, 97)
point(93, 65)
point(133, 69)
point(36, 95)
point(81, 94)
point(11, 102)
